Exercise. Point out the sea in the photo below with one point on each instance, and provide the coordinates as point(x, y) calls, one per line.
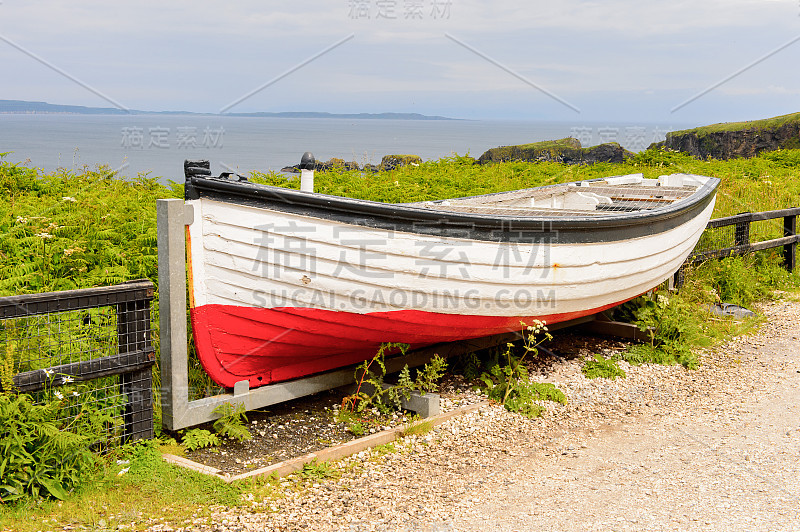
point(157, 145)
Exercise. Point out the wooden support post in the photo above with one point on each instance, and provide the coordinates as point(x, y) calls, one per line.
point(789, 250)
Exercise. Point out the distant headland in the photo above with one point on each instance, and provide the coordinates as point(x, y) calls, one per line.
point(26, 107)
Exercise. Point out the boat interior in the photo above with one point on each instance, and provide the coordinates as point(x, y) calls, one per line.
point(628, 193)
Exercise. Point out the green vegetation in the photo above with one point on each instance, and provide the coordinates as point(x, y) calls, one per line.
point(79, 229)
point(39, 455)
point(373, 392)
point(69, 230)
point(568, 142)
point(384, 449)
point(679, 323)
point(75, 230)
point(231, 422)
point(508, 381)
point(767, 123)
point(601, 367)
point(194, 439)
point(135, 488)
point(315, 471)
point(417, 427)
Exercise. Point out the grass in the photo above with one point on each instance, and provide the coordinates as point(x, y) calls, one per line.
point(601, 367)
point(417, 428)
point(682, 322)
point(767, 123)
point(150, 491)
point(568, 142)
point(315, 471)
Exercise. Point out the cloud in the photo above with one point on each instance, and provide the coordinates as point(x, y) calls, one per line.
point(201, 55)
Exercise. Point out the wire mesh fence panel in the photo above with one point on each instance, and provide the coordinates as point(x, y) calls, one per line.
point(740, 234)
point(60, 338)
point(714, 239)
point(88, 349)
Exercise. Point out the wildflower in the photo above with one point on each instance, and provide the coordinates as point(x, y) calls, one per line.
point(75, 394)
point(58, 395)
point(48, 372)
point(123, 471)
point(69, 198)
point(44, 235)
point(67, 379)
point(22, 220)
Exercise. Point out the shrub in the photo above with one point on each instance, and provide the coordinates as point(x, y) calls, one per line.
point(38, 456)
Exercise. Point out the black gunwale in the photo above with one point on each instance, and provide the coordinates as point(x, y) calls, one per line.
point(413, 219)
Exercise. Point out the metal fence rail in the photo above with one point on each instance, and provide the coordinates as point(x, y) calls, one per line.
point(732, 235)
point(91, 345)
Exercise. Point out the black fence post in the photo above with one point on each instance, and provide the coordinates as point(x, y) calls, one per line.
point(789, 250)
point(133, 331)
point(742, 237)
point(678, 278)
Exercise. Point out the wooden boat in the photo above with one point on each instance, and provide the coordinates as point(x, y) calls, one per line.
point(285, 283)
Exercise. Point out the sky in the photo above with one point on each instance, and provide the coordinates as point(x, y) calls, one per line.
point(698, 61)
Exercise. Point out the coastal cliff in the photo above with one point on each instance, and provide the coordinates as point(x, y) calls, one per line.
point(568, 151)
point(736, 139)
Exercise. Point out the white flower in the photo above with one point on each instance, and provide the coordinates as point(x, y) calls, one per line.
point(123, 471)
point(75, 394)
point(44, 235)
point(58, 395)
point(22, 220)
point(69, 198)
point(67, 379)
point(48, 372)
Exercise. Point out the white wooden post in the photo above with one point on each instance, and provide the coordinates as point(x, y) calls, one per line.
point(307, 164)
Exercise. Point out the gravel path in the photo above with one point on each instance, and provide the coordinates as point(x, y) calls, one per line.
point(663, 449)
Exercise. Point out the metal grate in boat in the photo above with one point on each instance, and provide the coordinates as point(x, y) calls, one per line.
point(587, 198)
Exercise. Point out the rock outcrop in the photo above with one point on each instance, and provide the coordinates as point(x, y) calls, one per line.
point(736, 139)
point(568, 151)
point(389, 162)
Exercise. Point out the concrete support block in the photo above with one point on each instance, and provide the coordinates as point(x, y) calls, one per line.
point(426, 405)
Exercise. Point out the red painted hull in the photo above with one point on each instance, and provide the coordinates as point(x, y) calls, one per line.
point(267, 345)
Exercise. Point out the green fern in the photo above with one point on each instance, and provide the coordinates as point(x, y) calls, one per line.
point(38, 456)
point(194, 439)
point(232, 422)
point(429, 375)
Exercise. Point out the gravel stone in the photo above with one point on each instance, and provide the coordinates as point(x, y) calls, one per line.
point(712, 449)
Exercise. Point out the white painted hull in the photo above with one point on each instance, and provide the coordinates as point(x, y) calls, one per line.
point(285, 290)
